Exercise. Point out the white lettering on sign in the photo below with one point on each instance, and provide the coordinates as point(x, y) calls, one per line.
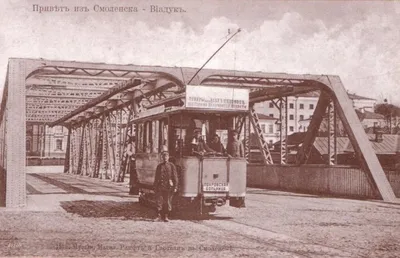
point(215, 187)
point(211, 97)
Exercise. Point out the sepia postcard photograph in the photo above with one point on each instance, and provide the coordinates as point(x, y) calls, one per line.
point(259, 128)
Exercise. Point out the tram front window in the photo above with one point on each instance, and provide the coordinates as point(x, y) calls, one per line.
point(201, 134)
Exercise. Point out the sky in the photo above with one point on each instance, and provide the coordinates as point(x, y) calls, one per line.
point(357, 40)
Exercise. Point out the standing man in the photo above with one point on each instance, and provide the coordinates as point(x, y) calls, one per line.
point(130, 166)
point(235, 147)
point(165, 185)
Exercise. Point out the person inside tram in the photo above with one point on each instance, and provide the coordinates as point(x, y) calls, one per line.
point(235, 147)
point(216, 145)
point(199, 146)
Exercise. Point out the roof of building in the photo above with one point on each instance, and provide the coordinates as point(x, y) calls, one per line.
point(385, 130)
point(368, 115)
point(294, 138)
point(265, 117)
point(308, 94)
point(355, 96)
point(321, 144)
point(352, 96)
point(389, 145)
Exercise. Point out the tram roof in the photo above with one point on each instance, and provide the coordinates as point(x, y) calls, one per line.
point(59, 91)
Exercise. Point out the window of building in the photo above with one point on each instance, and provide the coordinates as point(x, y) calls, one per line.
point(271, 115)
point(301, 117)
point(291, 128)
point(291, 117)
point(301, 106)
point(291, 105)
point(263, 128)
point(58, 144)
point(271, 128)
point(311, 106)
point(271, 105)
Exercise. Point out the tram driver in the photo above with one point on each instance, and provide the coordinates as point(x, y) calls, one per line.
point(217, 146)
point(199, 146)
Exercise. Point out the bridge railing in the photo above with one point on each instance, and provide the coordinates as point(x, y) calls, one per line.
point(339, 180)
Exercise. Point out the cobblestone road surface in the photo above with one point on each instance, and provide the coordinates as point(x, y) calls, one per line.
point(70, 215)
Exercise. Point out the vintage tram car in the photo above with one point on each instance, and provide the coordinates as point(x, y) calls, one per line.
point(205, 181)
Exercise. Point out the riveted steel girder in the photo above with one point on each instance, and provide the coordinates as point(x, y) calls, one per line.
point(56, 101)
point(75, 82)
point(63, 93)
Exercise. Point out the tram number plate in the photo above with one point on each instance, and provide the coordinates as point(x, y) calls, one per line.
point(215, 187)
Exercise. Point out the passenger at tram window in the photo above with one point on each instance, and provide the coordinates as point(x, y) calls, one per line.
point(216, 145)
point(235, 147)
point(199, 146)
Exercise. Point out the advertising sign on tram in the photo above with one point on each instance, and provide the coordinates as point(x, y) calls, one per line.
point(210, 97)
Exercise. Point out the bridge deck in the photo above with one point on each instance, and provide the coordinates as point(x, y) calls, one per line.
point(69, 215)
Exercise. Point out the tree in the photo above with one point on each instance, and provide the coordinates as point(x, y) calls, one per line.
point(391, 113)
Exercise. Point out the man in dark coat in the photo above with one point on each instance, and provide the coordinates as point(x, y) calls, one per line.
point(235, 147)
point(165, 185)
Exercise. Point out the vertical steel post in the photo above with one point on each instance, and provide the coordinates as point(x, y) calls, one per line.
point(284, 130)
point(332, 138)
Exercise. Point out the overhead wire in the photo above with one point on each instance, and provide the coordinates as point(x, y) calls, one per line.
point(198, 51)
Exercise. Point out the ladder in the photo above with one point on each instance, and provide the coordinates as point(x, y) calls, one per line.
point(260, 137)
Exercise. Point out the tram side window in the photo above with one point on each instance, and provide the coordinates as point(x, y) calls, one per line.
point(145, 139)
point(140, 137)
point(152, 136)
point(163, 135)
point(155, 136)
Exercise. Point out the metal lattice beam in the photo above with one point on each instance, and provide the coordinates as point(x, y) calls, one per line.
point(263, 145)
point(55, 101)
point(247, 81)
point(33, 108)
point(76, 82)
point(93, 72)
point(283, 118)
point(63, 93)
point(332, 136)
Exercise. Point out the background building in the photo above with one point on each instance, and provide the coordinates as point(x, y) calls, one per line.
point(44, 142)
point(301, 108)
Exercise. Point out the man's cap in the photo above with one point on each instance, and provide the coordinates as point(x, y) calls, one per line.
point(197, 130)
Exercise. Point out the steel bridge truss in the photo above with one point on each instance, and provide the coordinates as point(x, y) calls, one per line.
point(97, 146)
point(97, 101)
